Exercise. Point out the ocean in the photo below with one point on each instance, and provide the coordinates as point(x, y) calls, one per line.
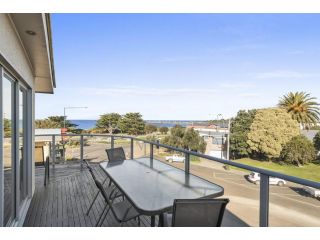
point(88, 124)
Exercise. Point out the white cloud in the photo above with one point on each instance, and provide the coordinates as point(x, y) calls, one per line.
point(249, 95)
point(221, 88)
point(238, 85)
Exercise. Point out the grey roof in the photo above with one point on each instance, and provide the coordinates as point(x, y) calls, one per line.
point(309, 133)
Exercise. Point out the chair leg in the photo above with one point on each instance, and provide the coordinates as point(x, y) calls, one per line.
point(105, 215)
point(139, 224)
point(95, 198)
point(104, 209)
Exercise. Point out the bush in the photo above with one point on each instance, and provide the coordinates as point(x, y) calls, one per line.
point(316, 141)
point(299, 150)
point(163, 130)
point(149, 128)
point(151, 138)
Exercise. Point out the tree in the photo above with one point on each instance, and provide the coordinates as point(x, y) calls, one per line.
point(132, 123)
point(181, 137)
point(54, 122)
point(193, 141)
point(299, 150)
point(270, 130)
point(109, 122)
point(316, 141)
point(175, 137)
point(7, 127)
point(239, 129)
point(302, 108)
point(163, 130)
point(149, 128)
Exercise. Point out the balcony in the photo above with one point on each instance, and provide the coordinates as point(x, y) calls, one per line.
point(69, 188)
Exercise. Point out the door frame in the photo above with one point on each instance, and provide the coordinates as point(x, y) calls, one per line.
point(19, 208)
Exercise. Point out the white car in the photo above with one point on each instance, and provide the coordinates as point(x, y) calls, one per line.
point(175, 158)
point(255, 178)
point(313, 191)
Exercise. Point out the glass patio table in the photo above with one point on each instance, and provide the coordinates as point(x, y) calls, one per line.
point(151, 185)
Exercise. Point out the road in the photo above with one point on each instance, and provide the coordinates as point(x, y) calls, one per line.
point(289, 205)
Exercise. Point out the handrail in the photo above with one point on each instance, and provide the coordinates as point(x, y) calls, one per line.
point(220, 160)
point(264, 174)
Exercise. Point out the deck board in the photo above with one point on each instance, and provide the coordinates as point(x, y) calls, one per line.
point(65, 200)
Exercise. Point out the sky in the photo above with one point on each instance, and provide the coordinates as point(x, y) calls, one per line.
point(180, 66)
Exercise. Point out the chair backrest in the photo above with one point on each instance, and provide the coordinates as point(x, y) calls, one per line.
point(101, 189)
point(198, 212)
point(116, 154)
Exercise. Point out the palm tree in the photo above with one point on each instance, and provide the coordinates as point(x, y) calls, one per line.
point(302, 107)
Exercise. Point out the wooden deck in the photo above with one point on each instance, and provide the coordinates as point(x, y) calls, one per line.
point(65, 200)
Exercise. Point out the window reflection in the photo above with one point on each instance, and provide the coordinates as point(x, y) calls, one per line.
point(7, 149)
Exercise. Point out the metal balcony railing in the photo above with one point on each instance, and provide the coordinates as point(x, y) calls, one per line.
point(264, 174)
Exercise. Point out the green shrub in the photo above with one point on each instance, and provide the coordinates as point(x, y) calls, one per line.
point(299, 150)
point(316, 141)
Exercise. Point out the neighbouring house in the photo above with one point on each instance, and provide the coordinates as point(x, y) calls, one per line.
point(43, 142)
point(26, 68)
point(215, 137)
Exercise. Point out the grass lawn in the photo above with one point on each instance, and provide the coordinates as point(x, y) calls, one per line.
point(310, 171)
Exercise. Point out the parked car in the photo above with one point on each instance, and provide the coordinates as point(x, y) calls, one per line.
point(313, 191)
point(175, 158)
point(255, 178)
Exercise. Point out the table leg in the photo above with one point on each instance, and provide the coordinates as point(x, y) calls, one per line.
point(153, 221)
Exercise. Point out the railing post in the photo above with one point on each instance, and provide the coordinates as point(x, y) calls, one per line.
point(81, 150)
point(131, 149)
point(53, 150)
point(187, 163)
point(264, 200)
point(112, 142)
point(151, 151)
point(151, 155)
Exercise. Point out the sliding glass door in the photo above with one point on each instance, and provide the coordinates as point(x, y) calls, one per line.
point(8, 149)
point(15, 141)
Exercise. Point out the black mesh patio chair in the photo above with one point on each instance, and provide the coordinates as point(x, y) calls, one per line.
point(111, 189)
point(123, 211)
point(116, 154)
point(196, 213)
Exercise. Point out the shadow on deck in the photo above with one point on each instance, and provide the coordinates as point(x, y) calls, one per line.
point(65, 200)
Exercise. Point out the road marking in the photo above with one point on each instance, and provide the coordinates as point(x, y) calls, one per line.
point(271, 193)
